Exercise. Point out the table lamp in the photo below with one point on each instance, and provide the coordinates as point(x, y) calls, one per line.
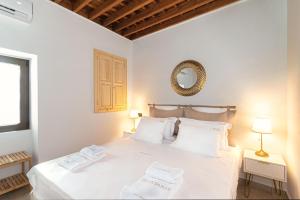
point(262, 125)
point(134, 114)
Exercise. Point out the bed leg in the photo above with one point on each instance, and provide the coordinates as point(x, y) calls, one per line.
point(248, 180)
point(278, 190)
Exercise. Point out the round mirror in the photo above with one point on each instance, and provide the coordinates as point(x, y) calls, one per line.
point(188, 78)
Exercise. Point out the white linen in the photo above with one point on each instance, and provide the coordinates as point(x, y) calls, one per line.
point(202, 122)
point(74, 162)
point(204, 140)
point(150, 188)
point(168, 131)
point(150, 130)
point(226, 126)
point(204, 177)
point(163, 172)
point(169, 127)
point(93, 152)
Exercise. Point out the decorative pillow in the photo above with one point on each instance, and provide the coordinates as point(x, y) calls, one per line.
point(213, 124)
point(154, 112)
point(150, 130)
point(173, 123)
point(202, 140)
point(176, 128)
point(222, 117)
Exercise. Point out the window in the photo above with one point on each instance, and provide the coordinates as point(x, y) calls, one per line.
point(14, 94)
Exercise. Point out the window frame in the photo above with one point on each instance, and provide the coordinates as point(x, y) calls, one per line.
point(24, 94)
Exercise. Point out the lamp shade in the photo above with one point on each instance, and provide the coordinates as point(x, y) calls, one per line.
point(262, 125)
point(133, 114)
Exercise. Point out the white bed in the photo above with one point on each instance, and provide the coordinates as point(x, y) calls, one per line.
point(204, 177)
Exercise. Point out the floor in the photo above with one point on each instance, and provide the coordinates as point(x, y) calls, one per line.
point(257, 192)
point(20, 194)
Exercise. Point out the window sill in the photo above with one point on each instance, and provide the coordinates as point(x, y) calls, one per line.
point(26, 131)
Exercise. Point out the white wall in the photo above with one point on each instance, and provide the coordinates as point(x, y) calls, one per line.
point(13, 142)
point(64, 44)
point(242, 47)
point(293, 143)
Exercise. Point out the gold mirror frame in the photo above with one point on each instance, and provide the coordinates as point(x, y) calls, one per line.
point(201, 78)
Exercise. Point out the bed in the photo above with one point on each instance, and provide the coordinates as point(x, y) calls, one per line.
point(204, 177)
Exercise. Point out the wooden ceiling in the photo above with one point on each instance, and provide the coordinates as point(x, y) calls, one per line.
point(136, 18)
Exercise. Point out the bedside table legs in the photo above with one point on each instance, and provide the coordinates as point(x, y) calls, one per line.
point(248, 180)
point(278, 189)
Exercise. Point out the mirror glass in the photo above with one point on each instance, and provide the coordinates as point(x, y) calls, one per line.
point(186, 78)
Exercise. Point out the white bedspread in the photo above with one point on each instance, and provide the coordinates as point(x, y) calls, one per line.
point(126, 161)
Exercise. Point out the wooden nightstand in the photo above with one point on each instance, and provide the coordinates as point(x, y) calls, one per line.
point(272, 167)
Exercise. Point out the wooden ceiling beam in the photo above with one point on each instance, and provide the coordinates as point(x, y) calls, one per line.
point(133, 6)
point(104, 7)
point(79, 4)
point(147, 13)
point(198, 11)
point(181, 9)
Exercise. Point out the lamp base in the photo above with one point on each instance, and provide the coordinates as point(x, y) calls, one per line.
point(261, 153)
point(133, 130)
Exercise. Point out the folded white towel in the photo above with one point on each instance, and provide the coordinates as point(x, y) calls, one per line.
point(93, 152)
point(150, 188)
point(163, 172)
point(74, 162)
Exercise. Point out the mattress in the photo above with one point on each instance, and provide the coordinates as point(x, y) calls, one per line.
point(204, 177)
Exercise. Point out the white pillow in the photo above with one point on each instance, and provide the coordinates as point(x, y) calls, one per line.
point(224, 125)
point(196, 122)
point(202, 140)
point(150, 130)
point(169, 126)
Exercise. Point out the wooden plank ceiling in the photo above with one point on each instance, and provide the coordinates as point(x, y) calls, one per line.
point(136, 18)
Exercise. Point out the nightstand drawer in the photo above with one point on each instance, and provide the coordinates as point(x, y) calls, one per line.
point(265, 169)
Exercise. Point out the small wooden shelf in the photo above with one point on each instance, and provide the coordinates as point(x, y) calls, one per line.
point(16, 181)
point(13, 182)
point(14, 159)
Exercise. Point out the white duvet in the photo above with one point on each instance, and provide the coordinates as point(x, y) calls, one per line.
point(126, 161)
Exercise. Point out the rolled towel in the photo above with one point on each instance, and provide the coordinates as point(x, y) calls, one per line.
point(150, 188)
point(74, 162)
point(163, 172)
point(93, 152)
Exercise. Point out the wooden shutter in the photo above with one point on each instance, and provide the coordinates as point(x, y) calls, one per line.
point(110, 82)
point(119, 84)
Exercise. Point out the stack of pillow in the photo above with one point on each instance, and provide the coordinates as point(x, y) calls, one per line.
point(197, 136)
